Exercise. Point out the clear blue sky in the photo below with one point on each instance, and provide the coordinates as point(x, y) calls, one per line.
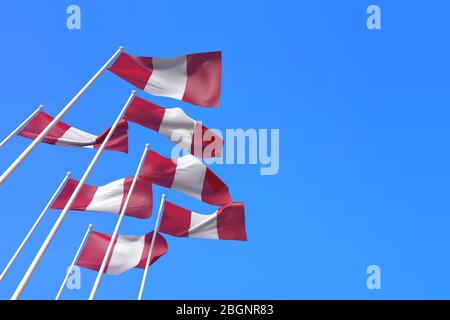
point(364, 161)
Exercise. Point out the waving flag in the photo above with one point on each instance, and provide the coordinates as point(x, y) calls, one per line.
point(128, 252)
point(64, 135)
point(194, 78)
point(110, 198)
point(191, 135)
point(187, 175)
point(227, 223)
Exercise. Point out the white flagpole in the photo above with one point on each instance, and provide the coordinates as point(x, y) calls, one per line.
point(42, 135)
point(77, 255)
point(35, 225)
point(119, 222)
point(150, 252)
point(22, 125)
point(66, 209)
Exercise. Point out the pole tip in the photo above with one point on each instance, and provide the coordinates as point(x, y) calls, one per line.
point(133, 92)
point(147, 145)
point(164, 196)
point(90, 226)
point(121, 48)
point(41, 107)
point(68, 174)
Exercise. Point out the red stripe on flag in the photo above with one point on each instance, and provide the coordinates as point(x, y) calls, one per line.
point(145, 113)
point(215, 191)
point(141, 201)
point(94, 251)
point(119, 138)
point(160, 248)
point(204, 72)
point(81, 202)
point(39, 123)
point(159, 170)
point(205, 143)
point(108, 260)
point(231, 222)
point(175, 220)
point(136, 70)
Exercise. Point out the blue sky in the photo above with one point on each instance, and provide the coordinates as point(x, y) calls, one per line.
point(363, 119)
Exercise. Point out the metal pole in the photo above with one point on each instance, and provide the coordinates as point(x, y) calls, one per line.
point(150, 252)
point(77, 255)
point(119, 222)
point(33, 228)
point(42, 135)
point(66, 209)
point(22, 125)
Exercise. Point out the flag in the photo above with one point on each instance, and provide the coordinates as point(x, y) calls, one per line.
point(128, 252)
point(187, 175)
point(64, 135)
point(109, 198)
point(174, 123)
point(227, 223)
point(194, 78)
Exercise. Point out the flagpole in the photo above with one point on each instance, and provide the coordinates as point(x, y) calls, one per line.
point(50, 126)
point(72, 199)
point(33, 228)
point(150, 252)
point(119, 222)
point(21, 126)
point(77, 255)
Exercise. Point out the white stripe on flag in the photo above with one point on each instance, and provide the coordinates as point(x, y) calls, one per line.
point(168, 78)
point(176, 124)
point(203, 226)
point(75, 136)
point(189, 176)
point(127, 254)
point(108, 198)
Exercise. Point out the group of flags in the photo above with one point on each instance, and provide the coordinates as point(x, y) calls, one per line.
point(193, 137)
point(194, 78)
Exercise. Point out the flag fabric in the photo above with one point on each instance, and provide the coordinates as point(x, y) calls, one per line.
point(128, 252)
point(187, 175)
point(194, 78)
point(176, 125)
point(227, 223)
point(65, 135)
point(109, 198)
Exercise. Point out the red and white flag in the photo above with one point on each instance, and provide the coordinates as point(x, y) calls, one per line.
point(194, 78)
point(227, 223)
point(187, 175)
point(64, 135)
point(177, 126)
point(128, 252)
point(110, 198)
